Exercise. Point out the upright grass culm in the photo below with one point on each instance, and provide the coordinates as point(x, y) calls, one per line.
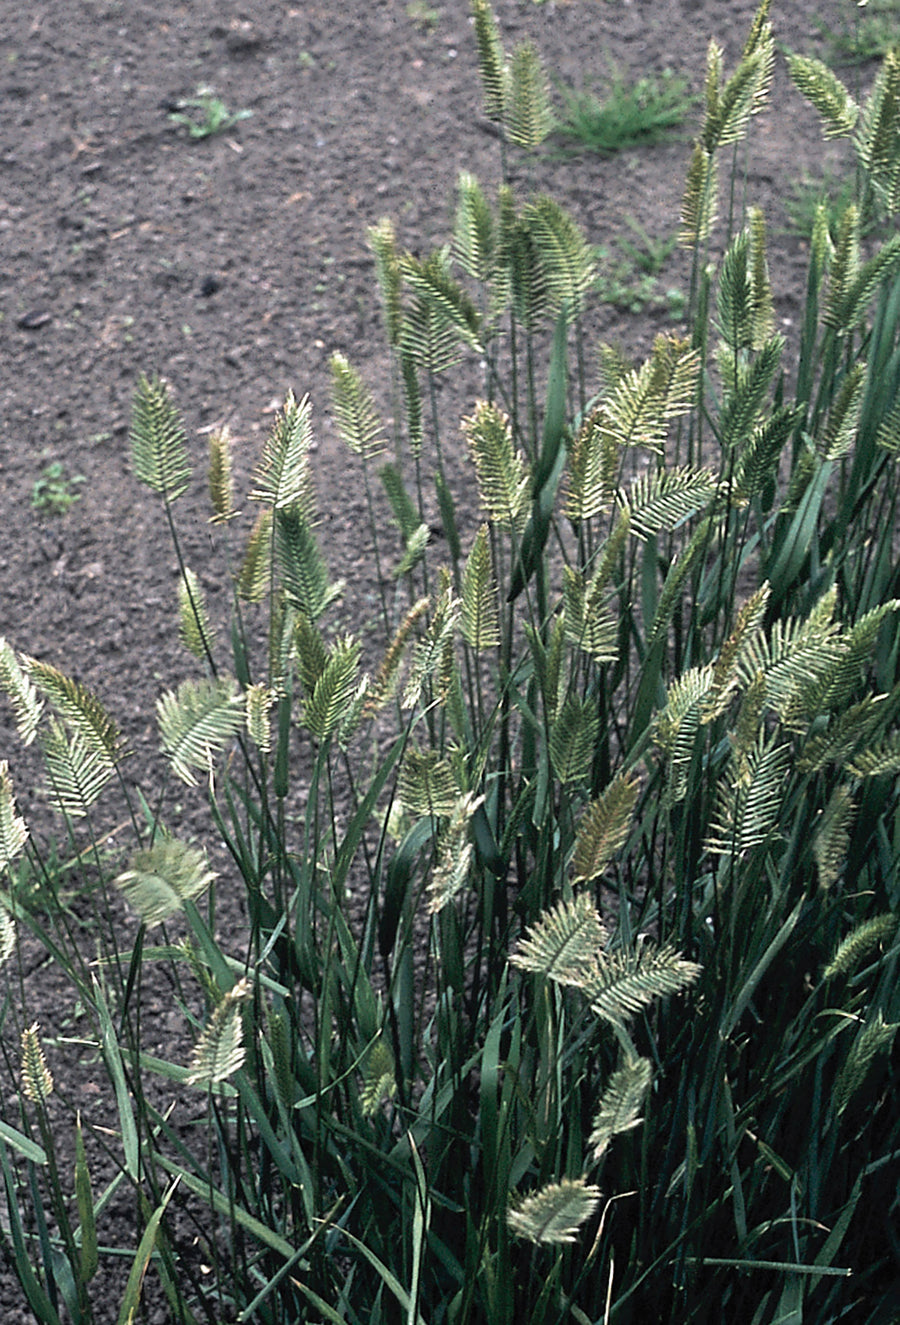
point(610, 1035)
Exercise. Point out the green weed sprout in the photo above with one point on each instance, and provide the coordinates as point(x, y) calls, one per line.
point(630, 281)
point(422, 15)
point(54, 492)
point(206, 115)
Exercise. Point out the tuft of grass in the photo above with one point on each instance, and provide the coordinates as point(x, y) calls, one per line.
point(206, 115)
point(873, 31)
point(630, 115)
point(631, 280)
point(423, 15)
point(648, 254)
point(54, 490)
point(827, 197)
point(807, 196)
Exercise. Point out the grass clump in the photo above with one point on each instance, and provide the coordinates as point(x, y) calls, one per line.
point(611, 1033)
point(629, 115)
point(205, 115)
point(807, 196)
point(424, 16)
point(54, 491)
point(631, 279)
point(873, 31)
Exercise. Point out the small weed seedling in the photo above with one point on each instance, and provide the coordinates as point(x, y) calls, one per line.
point(54, 490)
point(649, 255)
point(206, 115)
point(630, 116)
point(630, 282)
point(423, 15)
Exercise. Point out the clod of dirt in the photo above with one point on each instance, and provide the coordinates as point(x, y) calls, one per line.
point(33, 320)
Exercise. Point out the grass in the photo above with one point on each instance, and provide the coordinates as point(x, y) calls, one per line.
point(424, 16)
point(829, 195)
point(206, 115)
point(632, 280)
point(621, 285)
point(54, 492)
point(873, 31)
point(649, 255)
point(629, 116)
point(807, 196)
point(568, 986)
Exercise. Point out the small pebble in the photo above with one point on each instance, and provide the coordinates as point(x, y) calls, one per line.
point(32, 320)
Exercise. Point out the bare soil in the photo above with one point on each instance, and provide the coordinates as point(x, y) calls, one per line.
point(236, 266)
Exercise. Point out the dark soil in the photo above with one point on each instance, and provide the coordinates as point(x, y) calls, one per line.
point(236, 265)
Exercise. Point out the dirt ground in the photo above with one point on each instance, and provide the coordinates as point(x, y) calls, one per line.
point(236, 266)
